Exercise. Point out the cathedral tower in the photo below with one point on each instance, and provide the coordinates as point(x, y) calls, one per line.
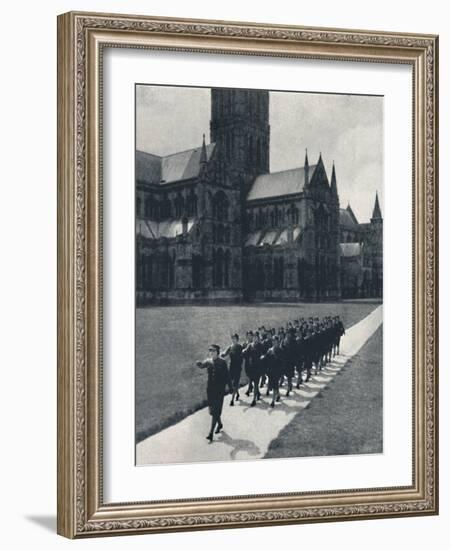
point(240, 128)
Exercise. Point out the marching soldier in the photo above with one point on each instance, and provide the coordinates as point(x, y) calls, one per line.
point(218, 379)
point(252, 355)
point(235, 353)
point(266, 343)
point(308, 352)
point(289, 349)
point(340, 331)
point(273, 365)
point(300, 355)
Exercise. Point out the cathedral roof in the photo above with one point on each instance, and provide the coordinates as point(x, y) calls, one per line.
point(347, 218)
point(168, 229)
point(350, 250)
point(278, 184)
point(170, 168)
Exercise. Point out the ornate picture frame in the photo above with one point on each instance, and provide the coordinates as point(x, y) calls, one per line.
point(82, 38)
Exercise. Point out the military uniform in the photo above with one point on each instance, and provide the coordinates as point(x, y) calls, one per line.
point(273, 362)
point(235, 353)
point(218, 379)
point(252, 357)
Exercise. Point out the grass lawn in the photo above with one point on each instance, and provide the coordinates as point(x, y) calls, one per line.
point(170, 339)
point(346, 418)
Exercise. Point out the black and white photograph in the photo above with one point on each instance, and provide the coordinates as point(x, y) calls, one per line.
point(258, 273)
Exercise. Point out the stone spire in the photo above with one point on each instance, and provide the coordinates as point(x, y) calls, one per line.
point(203, 157)
point(333, 184)
point(306, 168)
point(376, 214)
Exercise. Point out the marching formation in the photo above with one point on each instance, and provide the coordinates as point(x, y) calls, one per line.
point(270, 359)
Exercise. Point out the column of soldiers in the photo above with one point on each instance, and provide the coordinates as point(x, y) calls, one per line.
point(271, 358)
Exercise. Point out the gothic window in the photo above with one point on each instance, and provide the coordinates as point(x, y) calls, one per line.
point(148, 273)
point(192, 204)
point(166, 209)
point(278, 274)
point(197, 271)
point(301, 274)
point(179, 206)
point(148, 207)
point(259, 279)
point(227, 235)
point(226, 269)
point(220, 206)
point(272, 218)
point(220, 234)
point(164, 271)
point(171, 269)
point(218, 268)
point(155, 210)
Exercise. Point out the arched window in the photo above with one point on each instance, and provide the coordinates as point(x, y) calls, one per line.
point(192, 204)
point(220, 206)
point(179, 206)
point(171, 268)
point(148, 207)
point(218, 268)
point(278, 273)
point(272, 218)
point(220, 234)
point(259, 276)
point(163, 271)
point(197, 271)
point(166, 209)
point(226, 269)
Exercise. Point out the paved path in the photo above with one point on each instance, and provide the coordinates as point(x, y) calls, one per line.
point(248, 431)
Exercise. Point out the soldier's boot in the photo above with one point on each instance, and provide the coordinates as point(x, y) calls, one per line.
point(210, 437)
point(237, 396)
point(219, 427)
point(272, 404)
point(278, 397)
point(253, 403)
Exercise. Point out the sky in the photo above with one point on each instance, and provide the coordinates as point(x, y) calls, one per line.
point(346, 129)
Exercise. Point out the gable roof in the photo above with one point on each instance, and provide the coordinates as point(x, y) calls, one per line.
point(279, 184)
point(170, 168)
point(347, 218)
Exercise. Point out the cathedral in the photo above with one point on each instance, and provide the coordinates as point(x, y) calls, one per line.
point(213, 224)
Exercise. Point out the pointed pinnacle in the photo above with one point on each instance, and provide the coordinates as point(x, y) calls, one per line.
point(203, 156)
